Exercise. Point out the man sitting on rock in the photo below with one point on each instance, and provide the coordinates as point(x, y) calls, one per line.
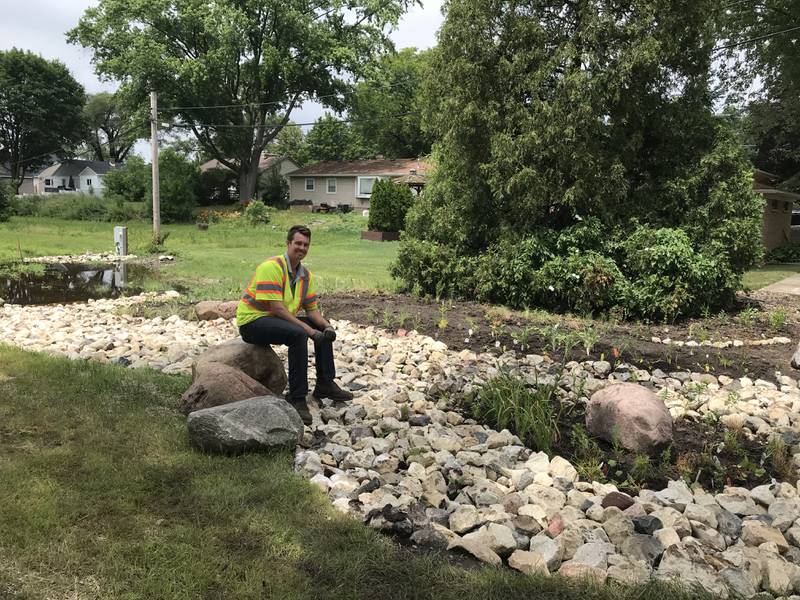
point(267, 314)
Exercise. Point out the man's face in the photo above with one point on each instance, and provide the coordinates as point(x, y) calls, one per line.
point(297, 249)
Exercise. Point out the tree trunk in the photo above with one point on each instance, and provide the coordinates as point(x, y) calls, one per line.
point(248, 178)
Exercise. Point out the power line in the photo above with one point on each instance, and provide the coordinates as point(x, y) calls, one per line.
point(235, 126)
point(755, 39)
point(272, 103)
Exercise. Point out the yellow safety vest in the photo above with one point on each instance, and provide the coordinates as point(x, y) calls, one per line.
point(269, 283)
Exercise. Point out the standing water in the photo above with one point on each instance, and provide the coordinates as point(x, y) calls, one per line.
point(62, 283)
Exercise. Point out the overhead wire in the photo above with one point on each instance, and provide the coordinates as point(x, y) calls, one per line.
point(270, 103)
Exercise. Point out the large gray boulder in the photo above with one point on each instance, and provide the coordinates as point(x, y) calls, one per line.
point(252, 424)
point(632, 414)
point(217, 384)
point(796, 358)
point(259, 362)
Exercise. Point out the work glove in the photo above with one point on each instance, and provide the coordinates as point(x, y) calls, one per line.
point(329, 335)
point(318, 337)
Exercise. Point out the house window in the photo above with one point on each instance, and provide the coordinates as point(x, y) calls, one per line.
point(785, 207)
point(774, 205)
point(88, 181)
point(63, 183)
point(309, 184)
point(331, 185)
point(48, 182)
point(365, 186)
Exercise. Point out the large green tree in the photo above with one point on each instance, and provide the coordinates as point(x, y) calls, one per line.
point(113, 127)
point(40, 111)
point(563, 126)
point(291, 142)
point(386, 107)
point(246, 63)
point(762, 48)
point(334, 138)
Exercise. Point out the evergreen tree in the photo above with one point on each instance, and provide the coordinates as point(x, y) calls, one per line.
point(561, 128)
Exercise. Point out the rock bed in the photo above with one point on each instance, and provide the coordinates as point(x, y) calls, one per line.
point(402, 460)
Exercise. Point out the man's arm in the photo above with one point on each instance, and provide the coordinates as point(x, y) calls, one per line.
point(316, 317)
point(278, 309)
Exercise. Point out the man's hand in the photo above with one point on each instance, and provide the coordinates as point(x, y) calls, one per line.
point(329, 335)
point(317, 336)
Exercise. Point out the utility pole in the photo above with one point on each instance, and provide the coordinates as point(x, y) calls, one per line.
point(154, 151)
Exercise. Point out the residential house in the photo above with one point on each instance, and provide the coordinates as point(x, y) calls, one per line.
point(27, 179)
point(85, 176)
point(777, 209)
point(282, 165)
point(350, 182)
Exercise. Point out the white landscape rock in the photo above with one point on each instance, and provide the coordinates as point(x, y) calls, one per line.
point(403, 459)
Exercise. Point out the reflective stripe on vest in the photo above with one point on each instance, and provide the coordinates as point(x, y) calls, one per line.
point(292, 302)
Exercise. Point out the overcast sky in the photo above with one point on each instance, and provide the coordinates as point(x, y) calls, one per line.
point(40, 25)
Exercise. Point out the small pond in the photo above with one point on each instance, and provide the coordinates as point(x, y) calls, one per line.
point(63, 283)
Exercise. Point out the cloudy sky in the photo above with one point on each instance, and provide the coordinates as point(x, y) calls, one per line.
point(40, 25)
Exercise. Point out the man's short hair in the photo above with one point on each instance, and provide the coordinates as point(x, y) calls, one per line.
point(301, 229)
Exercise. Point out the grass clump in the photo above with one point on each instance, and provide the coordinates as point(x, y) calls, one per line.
point(533, 413)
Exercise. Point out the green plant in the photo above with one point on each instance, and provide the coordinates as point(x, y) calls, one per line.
point(404, 412)
point(747, 316)
point(788, 253)
point(777, 319)
point(5, 202)
point(522, 336)
point(386, 319)
point(533, 414)
point(780, 458)
point(371, 314)
point(257, 213)
point(389, 204)
point(402, 318)
point(179, 184)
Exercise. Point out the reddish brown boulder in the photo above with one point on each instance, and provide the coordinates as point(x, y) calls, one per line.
point(219, 384)
point(631, 414)
point(208, 310)
point(259, 362)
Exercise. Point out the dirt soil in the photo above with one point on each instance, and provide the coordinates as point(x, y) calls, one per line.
point(495, 329)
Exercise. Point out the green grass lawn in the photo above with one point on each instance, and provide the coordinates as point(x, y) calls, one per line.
point(768, 274)
point(102, 497)
point(218, 262)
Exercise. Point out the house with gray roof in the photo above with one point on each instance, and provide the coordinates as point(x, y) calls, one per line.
point(75, 175)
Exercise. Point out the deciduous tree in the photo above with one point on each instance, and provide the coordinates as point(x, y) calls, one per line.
point(387, 106)
point(236, 68)
point(40, 111)
point(112, 127)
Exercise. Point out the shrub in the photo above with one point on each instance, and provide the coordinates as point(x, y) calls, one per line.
point(179, 179)
point(669, 278)
point(25, 206)
point(388, 206)
point(784, 254)
point(257, 213)
point(5, 202)
point(581, 283)
point(76, 207)
point(214, 187)
point(128, 183)
point(435, 270)
point(504, 272)
point(273, 189)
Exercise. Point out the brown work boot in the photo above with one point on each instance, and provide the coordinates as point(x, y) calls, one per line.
point(301, 406)
point(329, 389)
